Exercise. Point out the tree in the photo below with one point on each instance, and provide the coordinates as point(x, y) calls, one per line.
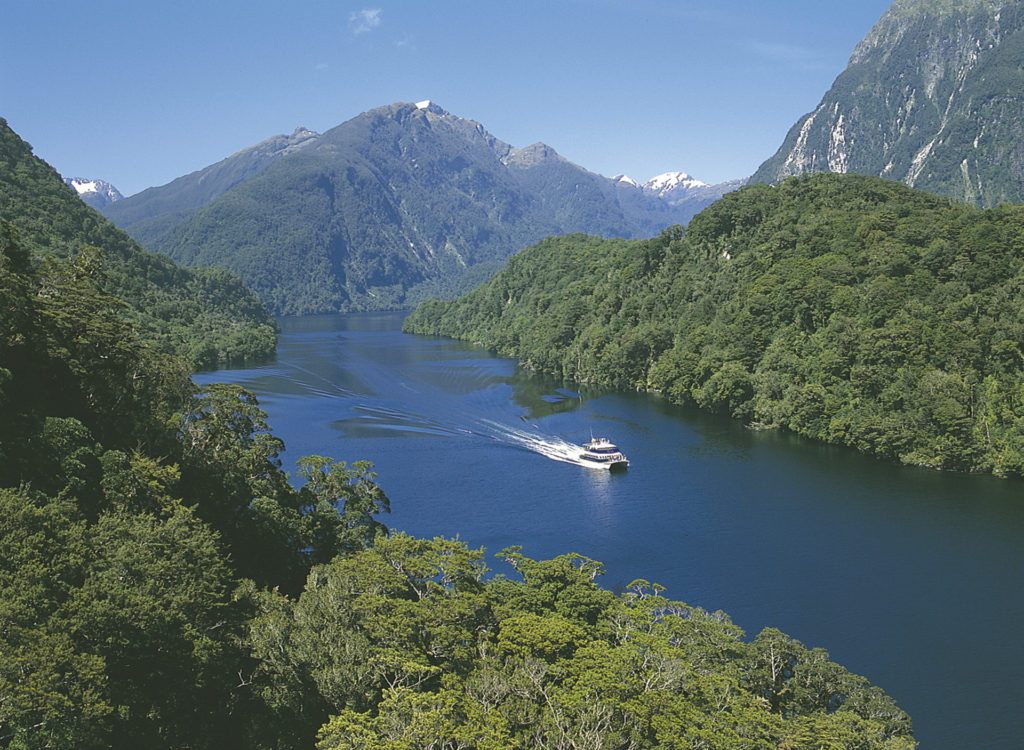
point(155, 605)
point(340, 504)
point(52, 692)
point(231, 473)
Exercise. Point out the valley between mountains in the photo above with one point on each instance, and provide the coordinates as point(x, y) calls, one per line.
point(165, 583)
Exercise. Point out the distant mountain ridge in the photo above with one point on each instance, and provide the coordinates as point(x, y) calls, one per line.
point(148, 216)
point(398, 203)
point(680, 189)
point(932, 97)
point(95, 193)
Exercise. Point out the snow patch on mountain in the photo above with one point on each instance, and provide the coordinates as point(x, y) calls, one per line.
point(672, 182)
point(96, 193)
point(668, 184)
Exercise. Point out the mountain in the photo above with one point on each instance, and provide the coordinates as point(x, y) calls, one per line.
point(682, 191)
point(205, 315)
point(149, 215)
point(933, 97)
point(674, 185)
point(398, 203)
point(95, 193)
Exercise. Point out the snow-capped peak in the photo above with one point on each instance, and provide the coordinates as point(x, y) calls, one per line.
point(673, 181)
point(429, 105)
point(625, 179)
point(96, 193)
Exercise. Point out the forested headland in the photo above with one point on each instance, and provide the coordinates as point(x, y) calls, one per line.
point(203, 314)
point(844, 308)
point(164, 585)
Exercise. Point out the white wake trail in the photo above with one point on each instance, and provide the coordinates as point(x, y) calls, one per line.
point(548, 446)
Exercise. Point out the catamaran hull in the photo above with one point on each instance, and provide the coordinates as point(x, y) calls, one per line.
point(606, 465)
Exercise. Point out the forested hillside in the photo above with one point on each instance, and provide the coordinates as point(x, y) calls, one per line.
point(203, 314)
point(844, 308)
point(163, 585)
point(131, 510)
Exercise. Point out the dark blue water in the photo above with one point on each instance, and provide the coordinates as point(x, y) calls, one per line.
point(909, 577)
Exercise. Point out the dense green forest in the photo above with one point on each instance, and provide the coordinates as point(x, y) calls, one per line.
point(844, 308)
point(164, 585)
point(203, 314)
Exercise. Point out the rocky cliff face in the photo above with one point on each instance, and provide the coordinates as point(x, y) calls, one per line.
point(932, 97)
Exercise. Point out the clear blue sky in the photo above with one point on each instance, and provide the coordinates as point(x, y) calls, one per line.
point(140, 92)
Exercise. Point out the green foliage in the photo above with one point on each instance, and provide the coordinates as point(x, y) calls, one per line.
point(843, 308)
point(154, 605)
point(344, 503)
point(51, 692)
point(378, 622)
point(653, 674)
point(131, 509)
point(204, 315)
point(231, 470)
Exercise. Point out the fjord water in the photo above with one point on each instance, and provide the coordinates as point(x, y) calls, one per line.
point(909, 577)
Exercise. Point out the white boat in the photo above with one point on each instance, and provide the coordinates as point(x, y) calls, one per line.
point(601, 453)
